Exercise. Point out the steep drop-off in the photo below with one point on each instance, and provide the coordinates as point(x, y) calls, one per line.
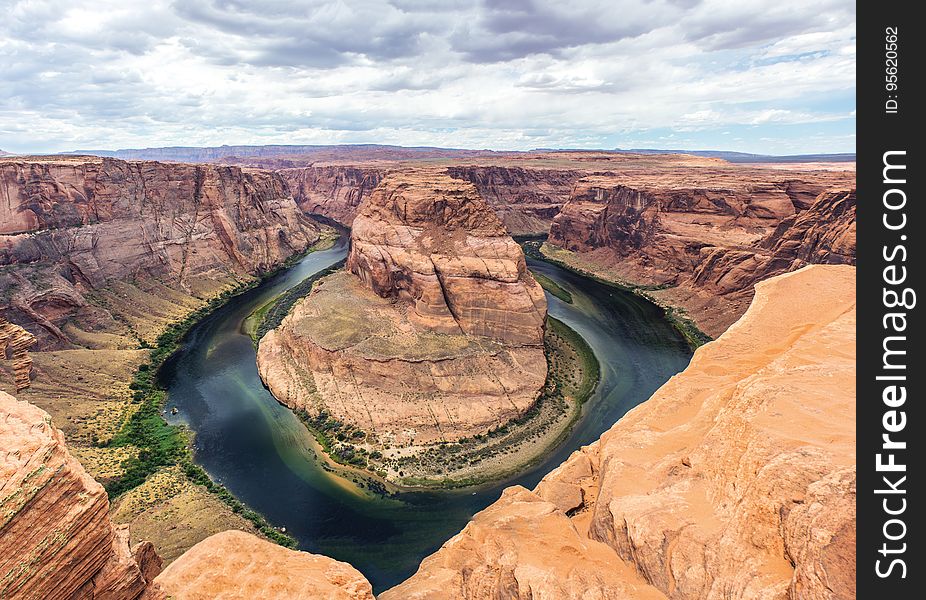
point(335, 192)
point(526, 200)
point(56, 539)
point(735, 480)
point(707, 246)
point(69, 227)
point(434, 333)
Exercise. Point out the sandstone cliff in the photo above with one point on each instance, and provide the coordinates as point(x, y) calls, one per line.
point(71, 226)
point(525, 199)
point(706, 242)
point(436, 333)
point(236, 565)
point(15, 341)
point(735, 480)
point(56, 539)
point(332, 191)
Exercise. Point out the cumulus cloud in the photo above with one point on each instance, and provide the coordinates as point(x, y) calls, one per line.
point(755, 75)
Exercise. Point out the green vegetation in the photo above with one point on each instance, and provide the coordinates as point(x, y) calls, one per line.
point(551, 286)
point(161, 444)
point(270, 315)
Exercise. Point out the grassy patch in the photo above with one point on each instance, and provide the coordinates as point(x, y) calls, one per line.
point(554, 288)
point(270, 315)
point(162, 445)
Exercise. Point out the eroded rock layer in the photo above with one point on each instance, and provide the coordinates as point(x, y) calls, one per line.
point(56, 539)
point(332, 191)
point(70, 226)
point(525, 199)
point(735, 480)
point(707, 242)
point(436, 333)
point(16, 341)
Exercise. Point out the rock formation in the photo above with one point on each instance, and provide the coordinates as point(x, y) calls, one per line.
point(436, 333)
point(237, 565)
point(332, 191)
point(69, 226)
point(708, 245)
point(735, 480)
point(56, 539)
point(15, 341)
point(525, 199)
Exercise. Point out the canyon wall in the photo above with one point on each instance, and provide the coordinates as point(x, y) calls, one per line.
point(332, 191)
point(56, 539)
point(69, 227)
point(435, 332)
point(705, 246)
point(736, 479)
point(525, 199)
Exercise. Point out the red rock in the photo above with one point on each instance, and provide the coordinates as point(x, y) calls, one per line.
point(73, 224)
point(56, 539)
point(236, 565)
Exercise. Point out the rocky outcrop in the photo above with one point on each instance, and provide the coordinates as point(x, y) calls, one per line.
point(522, 547)
point(237, 565)
point(69, 226)
point(735, 480)
point(432, 241)
point(332, 191)
point(708, 245)
point(15, 342)
point(436, 332)
point(56, 539)
point(525, 199)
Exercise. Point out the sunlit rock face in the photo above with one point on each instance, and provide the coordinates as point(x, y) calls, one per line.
point(433, 332)
point(72, 225)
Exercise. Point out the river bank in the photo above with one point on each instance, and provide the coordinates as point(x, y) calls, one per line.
point(536, 247)
point(158, 446)
point(265, 456)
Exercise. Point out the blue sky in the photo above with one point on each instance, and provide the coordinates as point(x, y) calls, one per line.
point(774, 77)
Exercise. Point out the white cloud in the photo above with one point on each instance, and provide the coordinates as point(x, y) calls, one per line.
point(513, 74)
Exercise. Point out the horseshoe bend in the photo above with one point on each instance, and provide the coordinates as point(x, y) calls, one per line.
point(448, 412)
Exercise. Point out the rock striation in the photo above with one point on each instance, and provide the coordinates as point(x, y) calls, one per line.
point(15, 342)
point(332, 191)
point(236, 565)
point(434, 333)
point(69, 226)
point(735, 480)
point(56, 539)
point(525, 199)
point(708, 245)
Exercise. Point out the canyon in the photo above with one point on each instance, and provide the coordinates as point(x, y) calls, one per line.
point(710, 489)
point(98, 257)
point(721, 485)
point(434, 331)
point(70, 227)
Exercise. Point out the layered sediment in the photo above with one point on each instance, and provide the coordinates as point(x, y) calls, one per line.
point(435, 333)
point(56, 538)
point(706, 246)
point(332, 191)
point(69, 227)
point(735, 480)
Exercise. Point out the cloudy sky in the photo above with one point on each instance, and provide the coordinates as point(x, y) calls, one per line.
point(767, 76)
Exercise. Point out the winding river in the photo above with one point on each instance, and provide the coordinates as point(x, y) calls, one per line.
point(263, 454)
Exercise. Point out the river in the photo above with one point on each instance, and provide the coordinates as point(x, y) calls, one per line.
point(262, 453)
